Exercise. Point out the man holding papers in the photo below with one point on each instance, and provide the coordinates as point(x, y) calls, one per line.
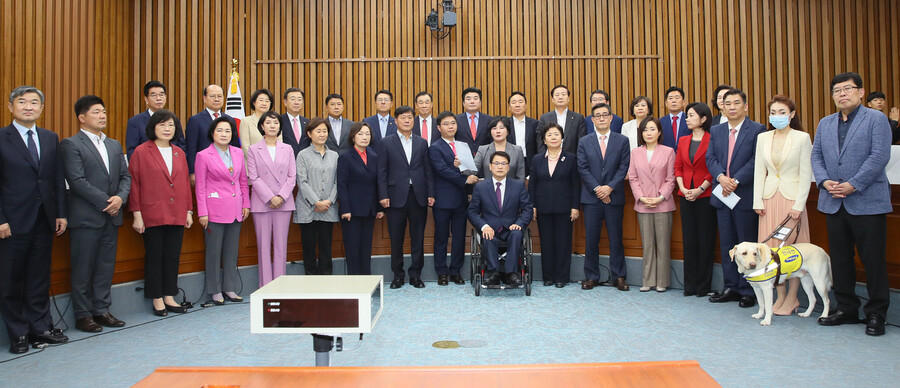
point(730, 158)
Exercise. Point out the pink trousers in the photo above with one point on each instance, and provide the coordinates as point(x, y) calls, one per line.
point(271, 238)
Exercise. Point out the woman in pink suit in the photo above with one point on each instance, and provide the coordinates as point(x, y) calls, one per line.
point(223, 202)
point(272, 170)
point(652, 178)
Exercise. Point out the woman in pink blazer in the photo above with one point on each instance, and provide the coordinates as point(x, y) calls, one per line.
point(223, 202)
point(272, 170)
point(652, 177)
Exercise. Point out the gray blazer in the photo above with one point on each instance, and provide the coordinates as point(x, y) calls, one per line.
point(340, 145)
point(90, 185)
point(316, 181)
point(516, 165)
point(862, 160)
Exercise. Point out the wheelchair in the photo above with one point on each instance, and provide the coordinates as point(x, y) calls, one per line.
point(478, 264)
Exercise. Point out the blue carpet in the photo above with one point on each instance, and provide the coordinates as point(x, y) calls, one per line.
point(552, 326)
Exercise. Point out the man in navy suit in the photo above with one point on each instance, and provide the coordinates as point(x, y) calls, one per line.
point(424, 121)
point(603, 158)
point(198, 125)
point(673, 124)
point(381, 122)
point(136, 132)
point(472, 124)
point(849, 155)
point(340, 127)
point(730, 159)
point(293, 125)
point(450, 202)
point(524, 130)
point(600, 96)
point(32, 208)
point(501, 210)
point(405, 190)
point(572, 123)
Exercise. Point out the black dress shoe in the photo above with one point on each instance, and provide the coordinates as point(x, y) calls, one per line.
point(839, 318)
point(443, 280)
point(491, 279)
point(689, 293)
point(874, 325)
point(725, 296)
point(18, 345)
point(548, 283)
point(160, 313)
point(747, 301)
point(417, 283)
point(88, 325)
point(176, 309)
point(397, 283)
point(109, 320)
point(54, 336)
point(512, 279)
point(457, 279)
point(589, 284)
point(560, 285)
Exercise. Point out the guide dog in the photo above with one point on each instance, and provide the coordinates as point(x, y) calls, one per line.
point(754, 261)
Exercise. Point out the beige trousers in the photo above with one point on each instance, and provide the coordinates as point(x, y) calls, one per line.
point(656, 238)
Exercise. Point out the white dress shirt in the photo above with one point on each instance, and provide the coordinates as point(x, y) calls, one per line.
point(561, 118)
point(336, 127)
point(406, 142)
point(166, 153)
point(520, 135)
point(97, 141)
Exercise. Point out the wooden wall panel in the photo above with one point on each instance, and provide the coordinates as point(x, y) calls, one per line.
point(356, 47)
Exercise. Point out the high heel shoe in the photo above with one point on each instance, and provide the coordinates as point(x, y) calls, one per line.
point(159, 313)
point(176, 309)
point(237, 299)
point(791, 311)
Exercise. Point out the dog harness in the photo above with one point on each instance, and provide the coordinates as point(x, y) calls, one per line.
point(785, 261)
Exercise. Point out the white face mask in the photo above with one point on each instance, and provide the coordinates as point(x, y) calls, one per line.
point(780, 122)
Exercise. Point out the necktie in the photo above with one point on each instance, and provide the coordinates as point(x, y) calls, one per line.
point(296, 126)
point(425, 131)
point(731, 139)
point(215, 115)
point(675, 128)
point(453, 146)
point(603, 145)
point(384, 123)
point(472, 127)
point(499, 197)
point(32, 147)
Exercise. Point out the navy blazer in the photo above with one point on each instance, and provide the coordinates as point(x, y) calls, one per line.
point(433, 131)
point(136, 132)
point(24, 187)
point(484, 209)
point(356, 184)
point(287, 133)
point(666, 123)
point(596, 170)
point(615, 126)
point(449, 182)
point(559, 193)
point(575, 129)
point(742, 159)
point(395, 173)
point(196, 136)
point(482, 135)
point(373, 123)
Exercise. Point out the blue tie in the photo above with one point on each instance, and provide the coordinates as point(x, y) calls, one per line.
point(32, 148)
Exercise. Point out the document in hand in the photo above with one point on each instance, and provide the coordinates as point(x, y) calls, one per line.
point(731, 200)
point(466, 161)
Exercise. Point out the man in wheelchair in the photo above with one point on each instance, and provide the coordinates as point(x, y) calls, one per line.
point(501, 210)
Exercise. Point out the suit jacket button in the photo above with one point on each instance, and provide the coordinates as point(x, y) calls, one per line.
point(232, 195)
point(171, 185)
point(232, 183)
point(171, 199)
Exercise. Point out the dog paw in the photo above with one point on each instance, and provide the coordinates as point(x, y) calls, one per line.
point(766, 322)
point(756, 316)
point(804, 314)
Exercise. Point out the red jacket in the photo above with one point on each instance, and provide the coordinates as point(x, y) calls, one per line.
point(696, 169)
point(161, 198)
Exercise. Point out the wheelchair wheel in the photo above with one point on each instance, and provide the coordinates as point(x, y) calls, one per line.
point(527, 281)
point(476, 283)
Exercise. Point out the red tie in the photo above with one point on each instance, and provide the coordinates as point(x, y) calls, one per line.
point(472, 127)
point(453, 145)
point(675, 128)
point(215, 115)
point(296, 127)
point(425, 131)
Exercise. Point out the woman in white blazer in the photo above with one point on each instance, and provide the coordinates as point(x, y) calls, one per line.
point(781, 182)
point(639, 109)
point(260, 103)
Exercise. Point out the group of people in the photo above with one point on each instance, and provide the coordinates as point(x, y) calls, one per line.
point(734, 175)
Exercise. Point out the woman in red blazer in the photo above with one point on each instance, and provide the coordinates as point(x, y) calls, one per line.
point(161, 201)
point(698, 217)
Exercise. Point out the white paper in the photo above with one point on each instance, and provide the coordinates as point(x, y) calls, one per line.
point(893, 166)
point(731, 200)
point(464, 154)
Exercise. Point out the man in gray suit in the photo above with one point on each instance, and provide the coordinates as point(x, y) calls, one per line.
point(98, 187)
point(849, 155)
point(340, 127)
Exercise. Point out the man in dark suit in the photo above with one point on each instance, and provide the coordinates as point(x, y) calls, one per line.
point(136, 132)
point(32, 208)
point(600, 96)
point(730, 159)
point(603, 158)
point(501, 210)
point(472, 124)
point(340, 127)
point(293, 126)
point(450, 192)
point(424, 121)
point(524, 131)
point(572, 122)
point(99, 183)
point(673, 124)
point(198, 125)
point(849, 155)
point(405, 190)
point(381, 123)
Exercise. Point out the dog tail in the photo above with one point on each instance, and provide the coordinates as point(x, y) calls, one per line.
point(830, 279)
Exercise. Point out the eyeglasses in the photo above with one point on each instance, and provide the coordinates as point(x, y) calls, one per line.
point(500, 164)
point(156, 95)
point(602, 115)
point(844, 90)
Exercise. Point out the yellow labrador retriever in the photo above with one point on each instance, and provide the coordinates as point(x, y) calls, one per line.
point(808, 262)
